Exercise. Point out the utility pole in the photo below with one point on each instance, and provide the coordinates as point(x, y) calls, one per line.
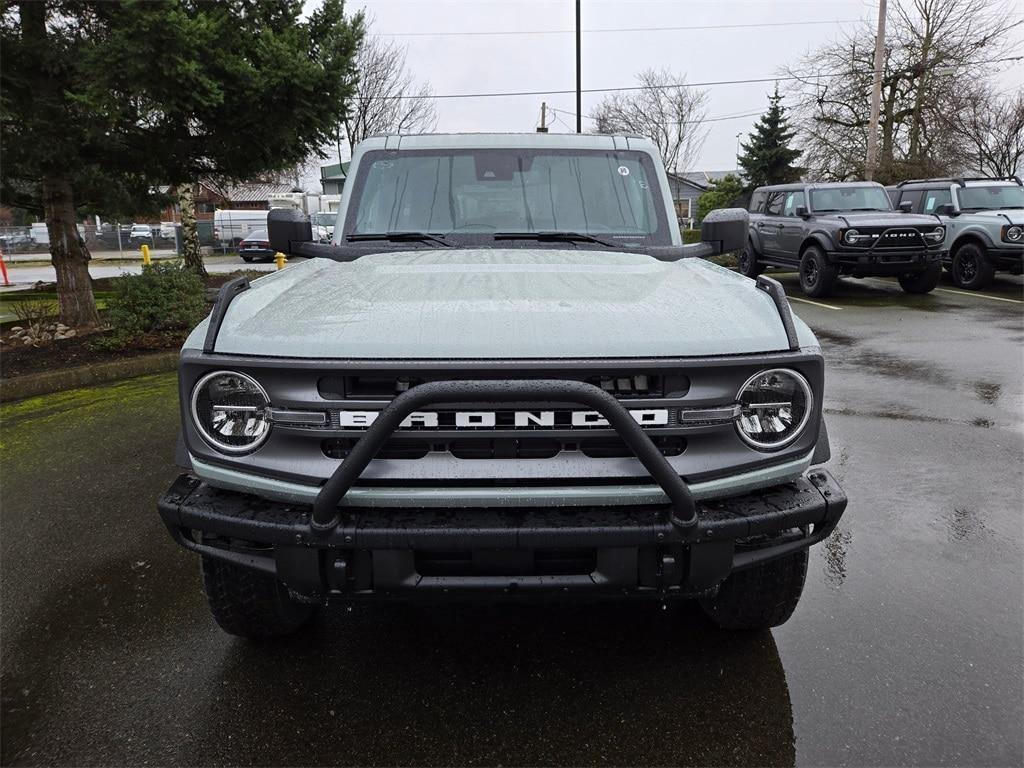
point(543, 128)
point(876, 95)
point(579, 81)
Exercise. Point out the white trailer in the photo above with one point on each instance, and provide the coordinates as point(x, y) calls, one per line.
point(232, 226)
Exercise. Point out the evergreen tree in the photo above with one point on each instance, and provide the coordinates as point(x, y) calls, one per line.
point(767, 157)
point(100, 102)
point(723, 193)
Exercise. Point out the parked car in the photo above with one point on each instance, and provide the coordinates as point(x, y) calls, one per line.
point(256, 247)
point(140, 234)
point(829, 230)
point(168, 230)
point(530, 391)
point(16, 240)
point(230, 227)
point(984, 220)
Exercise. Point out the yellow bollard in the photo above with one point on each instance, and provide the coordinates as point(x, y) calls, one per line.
point(146, 260)
point(280, 260)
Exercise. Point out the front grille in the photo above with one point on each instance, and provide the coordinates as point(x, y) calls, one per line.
point(503, 448)
point(385, 386)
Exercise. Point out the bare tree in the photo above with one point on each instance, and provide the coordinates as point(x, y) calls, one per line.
point(990, 129)
point(388, 99)
point(665, 109)
point(935, 49)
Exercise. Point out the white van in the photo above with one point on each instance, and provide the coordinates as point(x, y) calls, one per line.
point(234, 226)
point(39, 233)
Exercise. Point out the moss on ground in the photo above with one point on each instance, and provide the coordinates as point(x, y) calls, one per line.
point(24, 424)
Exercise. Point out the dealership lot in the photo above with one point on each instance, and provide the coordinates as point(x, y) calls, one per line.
point(905, 649)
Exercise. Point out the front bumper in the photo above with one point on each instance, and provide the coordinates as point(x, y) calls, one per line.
point(589, 552)
point(1006, 257)
point(882, 262)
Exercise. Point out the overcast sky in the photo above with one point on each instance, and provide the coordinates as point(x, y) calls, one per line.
point(460, 63)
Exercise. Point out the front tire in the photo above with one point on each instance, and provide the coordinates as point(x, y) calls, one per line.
point(971, 269)
point(761, 597)
point(746, 262)
point(922, 282)
point(250, 604)
point(817, 276)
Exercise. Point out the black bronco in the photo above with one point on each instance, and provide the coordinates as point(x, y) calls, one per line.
point(830, 230)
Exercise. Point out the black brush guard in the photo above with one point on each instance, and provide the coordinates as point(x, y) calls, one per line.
point(326, 515)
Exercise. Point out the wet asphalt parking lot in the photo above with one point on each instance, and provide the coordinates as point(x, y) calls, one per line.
point(906, 647)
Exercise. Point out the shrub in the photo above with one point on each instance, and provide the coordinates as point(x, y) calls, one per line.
point(164, 300)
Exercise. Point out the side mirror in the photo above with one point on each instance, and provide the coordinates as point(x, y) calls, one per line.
point(906, 206)
point(802, 212)
point(946, 209)
point(286, 226)
point(727, 228)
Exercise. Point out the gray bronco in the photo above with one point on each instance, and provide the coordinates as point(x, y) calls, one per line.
point(984, 220)
point(505, 378)
point(828, 230)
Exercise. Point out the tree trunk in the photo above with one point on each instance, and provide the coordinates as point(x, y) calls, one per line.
point(189, 233)
point(69, 255)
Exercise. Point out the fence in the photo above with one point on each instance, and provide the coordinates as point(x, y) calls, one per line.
point(111, 239)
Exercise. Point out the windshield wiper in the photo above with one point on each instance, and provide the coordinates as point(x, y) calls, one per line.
point(555, 237)
point(860, 210)
point(400, 237)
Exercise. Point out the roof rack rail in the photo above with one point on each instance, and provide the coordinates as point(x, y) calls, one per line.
point(961, 180)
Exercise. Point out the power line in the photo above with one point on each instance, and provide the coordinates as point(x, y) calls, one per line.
point(707, 83)
point(495, 33)
point(716, 119)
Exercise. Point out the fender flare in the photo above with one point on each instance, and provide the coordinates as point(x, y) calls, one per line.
point(979, 235)
point(819, 238)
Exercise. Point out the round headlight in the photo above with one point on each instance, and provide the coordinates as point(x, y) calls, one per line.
point(230, 411)
point(937, 234)
point(1015, 234)
point(851, 236)
point(775, 406)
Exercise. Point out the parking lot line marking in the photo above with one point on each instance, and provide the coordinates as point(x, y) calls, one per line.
point(815, 303)
point(980, 295)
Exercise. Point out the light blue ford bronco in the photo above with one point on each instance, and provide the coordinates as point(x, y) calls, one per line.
point(505, 378)
point(984, 220)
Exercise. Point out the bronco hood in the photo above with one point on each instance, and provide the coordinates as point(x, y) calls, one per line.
point(885, 219)
point(501, 303)
point(1007, 216)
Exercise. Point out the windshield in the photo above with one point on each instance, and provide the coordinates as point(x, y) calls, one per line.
point(474, 194)
point(990, 198)
point(325, 218)
point(848, 199)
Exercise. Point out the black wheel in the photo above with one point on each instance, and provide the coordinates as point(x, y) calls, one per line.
point(746, 262)
point(817, 276)
point(922, 282)
point(251, 604)
point(247, 258)
point(760, 597)
point(971, 269)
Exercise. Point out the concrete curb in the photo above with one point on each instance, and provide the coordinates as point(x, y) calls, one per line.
point(49, 382)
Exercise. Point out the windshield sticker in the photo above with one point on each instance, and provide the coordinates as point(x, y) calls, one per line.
point(623, 170)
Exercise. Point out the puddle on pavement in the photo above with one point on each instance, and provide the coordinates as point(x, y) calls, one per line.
point(963, 524)
point(835, 549)
point(987, 392)
point(837, 338)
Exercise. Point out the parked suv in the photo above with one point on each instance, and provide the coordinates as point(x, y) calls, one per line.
point(829, 230)
point(984, 220)
point(141, 234)
point(505, 379)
